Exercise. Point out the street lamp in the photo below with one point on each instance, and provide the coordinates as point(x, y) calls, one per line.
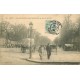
point(30, 25)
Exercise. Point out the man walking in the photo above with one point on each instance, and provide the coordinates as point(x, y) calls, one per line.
point(40, 50)
point(48, 49)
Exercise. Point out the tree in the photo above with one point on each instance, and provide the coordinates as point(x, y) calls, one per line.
point(44, 40)
point(19, 32)
point(77, 33)
point(40, 40)
point(3, 28)
point(66, 33)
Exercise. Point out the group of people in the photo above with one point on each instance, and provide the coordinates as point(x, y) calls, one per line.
point(48, 50)
point(41, 50)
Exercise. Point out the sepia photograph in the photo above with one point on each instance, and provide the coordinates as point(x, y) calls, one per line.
point(39, 39)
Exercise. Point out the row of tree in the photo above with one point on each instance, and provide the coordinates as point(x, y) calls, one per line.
point(70, 32)
point(18, 32)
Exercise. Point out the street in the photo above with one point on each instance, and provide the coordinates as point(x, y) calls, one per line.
point(15, 56)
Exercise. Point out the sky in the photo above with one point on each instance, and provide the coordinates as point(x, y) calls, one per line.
point(38, 21)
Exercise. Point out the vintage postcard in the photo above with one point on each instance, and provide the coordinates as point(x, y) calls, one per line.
point(27, 39)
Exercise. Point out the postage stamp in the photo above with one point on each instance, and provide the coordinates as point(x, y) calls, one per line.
point(53, 26)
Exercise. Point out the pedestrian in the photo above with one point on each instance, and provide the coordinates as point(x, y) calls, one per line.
point(48, 49)
point(23, 48)
point(40, 50)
